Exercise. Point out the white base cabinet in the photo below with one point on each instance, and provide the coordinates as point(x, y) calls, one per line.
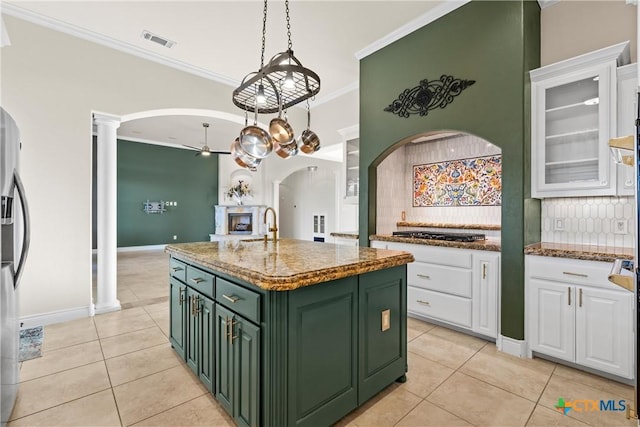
point(575, 314)
point(451, 285)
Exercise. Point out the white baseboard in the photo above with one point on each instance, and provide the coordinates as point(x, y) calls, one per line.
point(141, 248)
point(512, 346)
point(56, 316)
point(108, 308)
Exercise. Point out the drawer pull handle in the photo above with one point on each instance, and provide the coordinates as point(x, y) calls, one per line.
point(484, 271)
point(197, 280)
point(175, 269)
point(568, 273)
point(234, 299)
point(230, 324)
point(423, 302)
point(181, 300)
point(423, 276)
point(569, 297)
point(197, 309)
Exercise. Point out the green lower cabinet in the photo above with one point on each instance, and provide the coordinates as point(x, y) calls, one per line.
point(178, 309)
point(322, 350)
point(383, 331)
point(199, 352)
point(237, 369)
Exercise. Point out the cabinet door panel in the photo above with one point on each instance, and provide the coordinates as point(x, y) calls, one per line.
point(486, 284)
point(552, 319)
point(206, 339)
point(323, 339)
point(223, 359)
point(604, 333)
point(178, 311)
point(246, 348)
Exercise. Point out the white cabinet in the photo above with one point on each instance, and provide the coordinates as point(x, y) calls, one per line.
point(351, 181)
point(627, 112)
point(452, 285)
point(575, 314)
point(573, 112)
point(486, 276)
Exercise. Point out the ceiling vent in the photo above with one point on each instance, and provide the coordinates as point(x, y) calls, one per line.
point(147, 35)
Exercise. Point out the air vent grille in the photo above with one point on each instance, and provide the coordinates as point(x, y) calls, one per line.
point(148, 35)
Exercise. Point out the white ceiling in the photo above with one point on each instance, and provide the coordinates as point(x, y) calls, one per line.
point(221, 40)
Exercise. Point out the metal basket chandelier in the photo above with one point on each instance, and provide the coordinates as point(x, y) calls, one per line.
point(282, 83)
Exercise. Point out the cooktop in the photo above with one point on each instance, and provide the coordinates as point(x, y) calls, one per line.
point(441, 235)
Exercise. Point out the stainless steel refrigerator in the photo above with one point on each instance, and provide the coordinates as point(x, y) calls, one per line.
point(14, 235)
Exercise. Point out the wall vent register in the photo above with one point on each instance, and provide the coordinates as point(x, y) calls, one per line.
point(435, 235)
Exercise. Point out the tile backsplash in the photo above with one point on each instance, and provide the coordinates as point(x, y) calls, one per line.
point(395, 179)
point(604, 221)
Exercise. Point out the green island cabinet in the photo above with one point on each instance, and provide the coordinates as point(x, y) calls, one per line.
point(301, 357)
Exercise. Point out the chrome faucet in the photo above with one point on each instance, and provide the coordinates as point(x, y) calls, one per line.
point(273, 229)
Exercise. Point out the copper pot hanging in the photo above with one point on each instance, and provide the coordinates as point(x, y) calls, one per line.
point(309, 141)
point(280, 130)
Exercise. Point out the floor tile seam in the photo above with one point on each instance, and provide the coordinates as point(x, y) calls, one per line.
point(50, 350)
point(135, 351)
point(58, 405)
point(599, 388)
point(144, 376)
point(431, 360)
point(426, 399)
point(500, 388)
point(63, 370)
point(166, 410)
point(128, 332)
point(412, 408)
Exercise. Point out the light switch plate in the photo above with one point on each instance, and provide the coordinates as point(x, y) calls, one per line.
point(558, 224)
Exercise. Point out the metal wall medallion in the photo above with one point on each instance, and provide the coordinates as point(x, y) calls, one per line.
point(429, 95)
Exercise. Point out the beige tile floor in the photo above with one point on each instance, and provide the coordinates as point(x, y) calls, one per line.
point(118, 369)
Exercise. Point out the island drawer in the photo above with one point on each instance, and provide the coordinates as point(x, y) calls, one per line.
point(178, 269)
point(440, 278)
point(201, 281)
point(241, 300)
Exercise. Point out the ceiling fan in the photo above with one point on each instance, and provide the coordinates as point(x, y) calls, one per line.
point(205, 150)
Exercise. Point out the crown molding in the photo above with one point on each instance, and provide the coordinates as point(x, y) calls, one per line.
point(335, 94)
point(422, 20)
point(82, 33)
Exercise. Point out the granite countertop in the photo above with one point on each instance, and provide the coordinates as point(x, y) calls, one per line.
point(576, 251)
point(287, 264)
point(345, 234)
point(483, 245)
point(443, 225)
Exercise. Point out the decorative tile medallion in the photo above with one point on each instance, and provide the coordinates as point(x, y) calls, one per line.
point(464, 182)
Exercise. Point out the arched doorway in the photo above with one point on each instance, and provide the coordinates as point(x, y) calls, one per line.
point(107, 125)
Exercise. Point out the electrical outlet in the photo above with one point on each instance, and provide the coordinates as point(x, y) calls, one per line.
point(558, 224)
point(175, 237)
point(620, 226)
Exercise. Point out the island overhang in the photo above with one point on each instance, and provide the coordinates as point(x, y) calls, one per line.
point(287, 264)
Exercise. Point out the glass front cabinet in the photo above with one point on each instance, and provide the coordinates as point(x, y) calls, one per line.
point(573, 116)
point(351, 181)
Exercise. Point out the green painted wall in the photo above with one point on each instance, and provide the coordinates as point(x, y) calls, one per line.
point(495, 44)
point(162, 173)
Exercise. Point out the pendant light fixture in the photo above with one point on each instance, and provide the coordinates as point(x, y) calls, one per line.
point(282, 83)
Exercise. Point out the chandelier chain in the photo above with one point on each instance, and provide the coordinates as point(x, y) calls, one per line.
point(264, 33)
point(286, 5)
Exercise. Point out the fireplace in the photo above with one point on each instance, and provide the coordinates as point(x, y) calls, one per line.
point(239, 222)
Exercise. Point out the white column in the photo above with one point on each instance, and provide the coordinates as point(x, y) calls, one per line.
point(107, 273)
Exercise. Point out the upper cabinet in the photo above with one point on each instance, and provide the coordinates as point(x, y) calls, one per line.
point(573, 111)
point(627, 90)
point(351, 181)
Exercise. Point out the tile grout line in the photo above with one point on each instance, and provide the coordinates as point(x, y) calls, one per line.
point(106, 368)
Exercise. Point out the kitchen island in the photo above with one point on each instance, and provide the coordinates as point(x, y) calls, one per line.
point(290, 332)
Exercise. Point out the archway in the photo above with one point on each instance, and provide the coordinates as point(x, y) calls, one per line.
point(106, 131)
